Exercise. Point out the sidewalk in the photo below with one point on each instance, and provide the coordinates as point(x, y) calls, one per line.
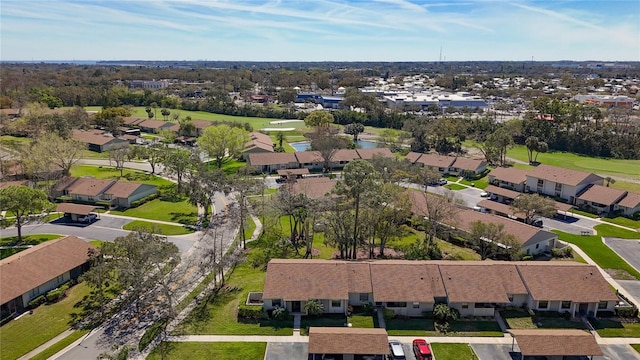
point(46, 345)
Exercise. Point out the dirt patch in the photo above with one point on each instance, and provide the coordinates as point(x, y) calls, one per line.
point(619, 274)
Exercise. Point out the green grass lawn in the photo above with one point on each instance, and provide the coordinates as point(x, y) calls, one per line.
point(96, 243)
point(162, 229)
point(14, 142)
point(453, 351)
point(212, 350)
point(583, 213)
point(521, 320)
point(627, 168)
point(614, 328)
point(607, 230)
point(256, 122)
point(621, 220)
point(455, 186)
point(449, 250)
point(425, 327)
point(20, 336)
point(626, 185)
point(481, 183)
point(599, 252)
point(106, 172)
point(218, 315)
point(175, 209)
point(26, 240)
point(55, 348)
point(636, 347)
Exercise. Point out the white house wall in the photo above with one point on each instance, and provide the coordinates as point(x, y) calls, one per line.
point(44, 288)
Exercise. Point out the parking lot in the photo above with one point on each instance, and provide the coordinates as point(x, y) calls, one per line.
point(503, 352)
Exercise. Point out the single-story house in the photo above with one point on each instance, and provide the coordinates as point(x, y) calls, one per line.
point(555, 344)
point(100, 142)
point(368, 154)
point(547, 288)
point(439, 163)
point(467, 167)
point(258, 143)
point(413, 156)
point(347, 343)
point(601, 198)
point(560, 182)
point(311, 160)
point(4, 184)
point(312, 187)
point(475, 288)
point(508, 178)
point(132, 121)
point(271, 162)
point(116, 193)
point(37, 270)
point(123, 193)
point(153, 126)
point(201, 125)
point(342, 157)
point(630, 204)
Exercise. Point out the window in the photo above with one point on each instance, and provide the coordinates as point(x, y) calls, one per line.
point(537, 246)
point(566, 305)
point(558, 187)
point(336, 303)
point(396, 304)
point(364, 297)
point(543, 304)
point(510, 298)
point(59, 279)
point(416, 305)
point(34, 292)
point(276, 302)
point(465, 306)
point(602, 305)
point(540, 182)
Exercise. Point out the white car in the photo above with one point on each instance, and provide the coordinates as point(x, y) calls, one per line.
point(484, 194)
point(442, 181)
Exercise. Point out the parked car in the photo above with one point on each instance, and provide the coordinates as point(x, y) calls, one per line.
point(537, 222)
point(396, 352)
point(422, 350)
point(87, 219)
point(442, 181)
point(484, 194)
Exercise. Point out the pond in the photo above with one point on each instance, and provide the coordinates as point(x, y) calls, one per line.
point(361, 144)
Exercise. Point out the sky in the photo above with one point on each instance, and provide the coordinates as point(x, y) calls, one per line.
point(320, 30)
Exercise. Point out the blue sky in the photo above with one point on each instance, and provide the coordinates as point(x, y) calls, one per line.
point(320, 30)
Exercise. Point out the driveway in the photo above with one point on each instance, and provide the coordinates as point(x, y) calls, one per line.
point(503, 352)
point(627, 249)
point(287, 351)
point(617, 352)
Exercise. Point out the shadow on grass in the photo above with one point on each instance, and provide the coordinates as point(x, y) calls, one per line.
point(184, 218)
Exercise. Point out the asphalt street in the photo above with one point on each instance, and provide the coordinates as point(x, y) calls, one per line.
point(627, 249)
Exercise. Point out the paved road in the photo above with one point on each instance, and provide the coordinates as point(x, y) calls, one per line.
point(287, 351)
point(627, 249)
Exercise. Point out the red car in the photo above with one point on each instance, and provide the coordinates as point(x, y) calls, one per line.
point(422, 350)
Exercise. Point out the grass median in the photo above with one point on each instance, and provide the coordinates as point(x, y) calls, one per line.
point(606, 230)
point(156, 228)
point(453, 351)
point(216, 350)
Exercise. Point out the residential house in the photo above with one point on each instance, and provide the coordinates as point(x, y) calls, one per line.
point(475, 289)
point(313, 187)
point(272, 162)
point(153, 126)
point(547, 288)
point(37, 270)
point(311, 160)
point(200, 125)
point(342, 157)
point(630, 204)
point(124, 193)
point(4, 184)
point(132, 121)
point(111, 192)
point(258, 143)
point(368, 154)
point(468, 167)
point(509, 178)
point(560, 182)
point(413, 156)
point(99, 142)
point(410, 288)
point(438, 163)
point(600, 198)
point(347, 343)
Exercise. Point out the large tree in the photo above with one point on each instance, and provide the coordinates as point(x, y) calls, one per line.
point(51, 153)
point(533, 206)
point(354, 129)
point(490, 239)
point(22, 201)
point(326, 141)
point(535, 146)
point(177, 162)
point(319, 118)
point(222, 142)
point(119, 156)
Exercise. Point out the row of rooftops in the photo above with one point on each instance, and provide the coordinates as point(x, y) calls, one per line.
point(93, 187)
point(444, 161)
point(308, 157)
point(425, 281)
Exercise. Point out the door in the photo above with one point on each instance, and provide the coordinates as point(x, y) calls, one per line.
point(295, 306)
point(583, 308)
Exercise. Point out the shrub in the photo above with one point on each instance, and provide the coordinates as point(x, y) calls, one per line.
point(313, 307)
point(251, 312)
point(144, 200)
point(37, 301)
point(388, 314)
point(627, 311)
point(444, 313)
point(55, 295)
point(527, 257)
point(280, 313)
point(367, 307)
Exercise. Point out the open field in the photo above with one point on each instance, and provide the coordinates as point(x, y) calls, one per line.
point(215, 350)
point(47, 321)
point(615, 167)
point(256, 122)
point(175, 209)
